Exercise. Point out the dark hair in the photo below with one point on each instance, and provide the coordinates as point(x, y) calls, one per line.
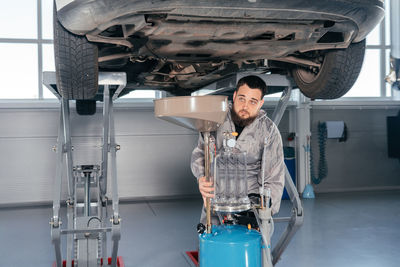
point(254, 82)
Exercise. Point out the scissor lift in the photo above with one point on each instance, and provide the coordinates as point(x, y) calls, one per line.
point(88, 219)
point(297, 216)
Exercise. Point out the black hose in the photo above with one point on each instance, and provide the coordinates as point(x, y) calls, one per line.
point(322, 164)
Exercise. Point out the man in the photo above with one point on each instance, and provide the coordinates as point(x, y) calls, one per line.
point(253, 126)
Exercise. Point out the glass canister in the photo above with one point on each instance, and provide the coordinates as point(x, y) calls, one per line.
point(230, 178)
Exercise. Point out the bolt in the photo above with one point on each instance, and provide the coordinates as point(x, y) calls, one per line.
point(54, 148)
point(70, 202)
point(117, 147)
point(87, 235)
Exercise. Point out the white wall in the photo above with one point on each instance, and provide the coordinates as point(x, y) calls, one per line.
point(153, 160)
point(362, 162)
point(155, 155)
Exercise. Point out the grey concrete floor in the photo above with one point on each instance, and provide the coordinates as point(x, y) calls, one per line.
point(341, 229)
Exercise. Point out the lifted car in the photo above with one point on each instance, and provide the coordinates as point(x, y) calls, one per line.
point(181, 46)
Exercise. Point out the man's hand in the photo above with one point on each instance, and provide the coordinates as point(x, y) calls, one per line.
point(206, 188)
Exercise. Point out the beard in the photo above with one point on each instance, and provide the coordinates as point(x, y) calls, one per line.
point(237, 120)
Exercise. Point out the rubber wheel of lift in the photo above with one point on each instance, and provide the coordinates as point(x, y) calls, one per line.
point(86, 107)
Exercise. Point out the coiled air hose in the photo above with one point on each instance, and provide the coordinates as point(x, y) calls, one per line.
point(322, 164)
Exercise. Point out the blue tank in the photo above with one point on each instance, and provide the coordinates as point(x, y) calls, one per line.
point(230, 245)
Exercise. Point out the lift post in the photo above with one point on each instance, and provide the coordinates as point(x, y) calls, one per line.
point(296, 219)
point(263, 215)
point(87, 216)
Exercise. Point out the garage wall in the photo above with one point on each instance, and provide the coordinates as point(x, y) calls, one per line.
point(153, 160)
point(362, 162)
point(155, 155)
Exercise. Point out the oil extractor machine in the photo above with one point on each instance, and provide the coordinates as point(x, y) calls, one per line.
point(230, 242)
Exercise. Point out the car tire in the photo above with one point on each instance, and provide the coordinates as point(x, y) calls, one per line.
point(86, 107)
point(338, 72)
point(76, 62)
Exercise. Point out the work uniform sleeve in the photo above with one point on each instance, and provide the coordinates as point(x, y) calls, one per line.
point(274, 167)
point(197, 160)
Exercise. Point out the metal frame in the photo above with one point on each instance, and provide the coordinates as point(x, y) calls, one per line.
point(296, 219)
point(226, 86)
point(87, 227)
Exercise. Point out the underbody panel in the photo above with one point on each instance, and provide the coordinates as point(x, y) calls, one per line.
point(180, 46)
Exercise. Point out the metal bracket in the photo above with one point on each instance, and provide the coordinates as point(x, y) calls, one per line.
point(105, 78)
point(55, 222)
point(296, 220)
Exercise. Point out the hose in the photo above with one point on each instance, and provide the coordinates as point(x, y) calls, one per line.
point(322, 164)
point(266, 242)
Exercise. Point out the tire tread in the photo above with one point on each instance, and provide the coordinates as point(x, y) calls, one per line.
point(76, 64)
point(339, 73)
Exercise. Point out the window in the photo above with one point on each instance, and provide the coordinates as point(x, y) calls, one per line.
point(22, 15)
point(19, 72)
point(368, 82)
point(21, 49)
point(47, 19)
point(26, 50)
point(48, 65)
point(371, 81)
point(141, 94)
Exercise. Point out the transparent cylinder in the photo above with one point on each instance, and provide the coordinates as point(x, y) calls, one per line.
point(230, 178)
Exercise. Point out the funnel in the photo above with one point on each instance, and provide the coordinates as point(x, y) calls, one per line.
point(199, 113)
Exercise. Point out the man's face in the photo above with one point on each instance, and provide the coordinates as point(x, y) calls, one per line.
point(247, 102)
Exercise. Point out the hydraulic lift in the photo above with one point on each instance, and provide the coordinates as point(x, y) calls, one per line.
point(88, 215)
point(88, 219)
point(297, 216)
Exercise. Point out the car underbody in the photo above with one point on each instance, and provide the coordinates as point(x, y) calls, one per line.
point(181, 46)
point(189, 55)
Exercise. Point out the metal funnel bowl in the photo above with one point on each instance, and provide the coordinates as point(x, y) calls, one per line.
point(201, 113)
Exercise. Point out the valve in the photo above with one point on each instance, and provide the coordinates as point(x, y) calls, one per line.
point(201, 228)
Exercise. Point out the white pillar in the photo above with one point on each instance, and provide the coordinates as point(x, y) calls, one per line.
point(303, 135)
point(394, 28)
point(395, 43)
